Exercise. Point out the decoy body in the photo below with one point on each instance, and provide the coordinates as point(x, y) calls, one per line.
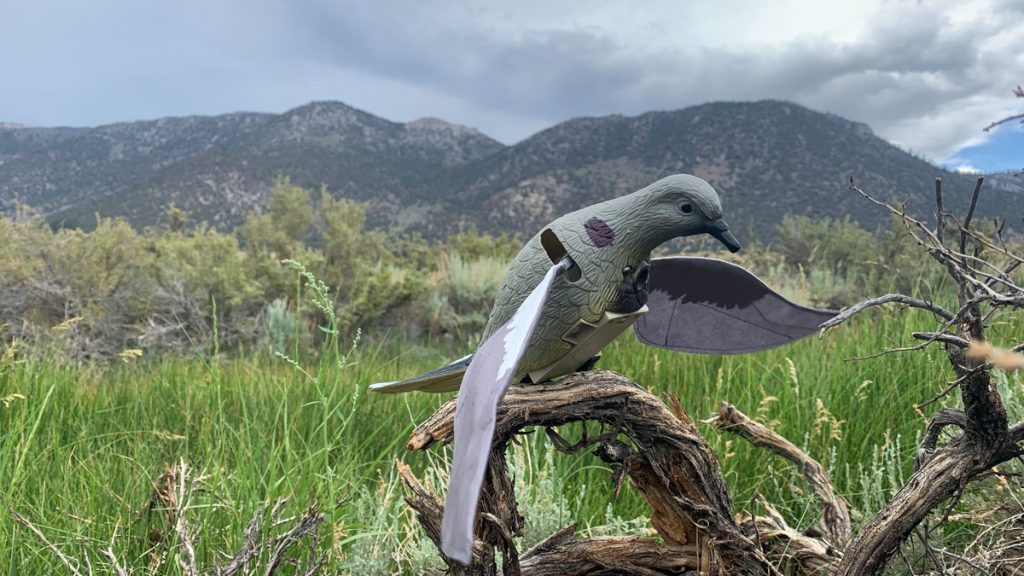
point(579, 283)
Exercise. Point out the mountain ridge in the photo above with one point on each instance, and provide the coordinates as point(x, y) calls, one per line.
point(767, 158)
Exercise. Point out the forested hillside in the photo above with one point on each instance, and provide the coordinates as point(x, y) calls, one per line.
point(768, 159)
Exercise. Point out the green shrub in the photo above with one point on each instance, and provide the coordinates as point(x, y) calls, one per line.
point(88, 295)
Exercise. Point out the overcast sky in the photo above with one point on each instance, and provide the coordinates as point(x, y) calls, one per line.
point(927, 75)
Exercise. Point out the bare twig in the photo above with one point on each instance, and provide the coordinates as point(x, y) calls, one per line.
point(1019, 93)
point(108, 553)
point(986, 243)
point(952, 385)
point(306, 527)
point(929, 550)
point(887, 299)
point(970, 214)
point(251, 543)
point(943, 337)
point(88, 564)
point(928, 239)
point(1004, 121)
point(910, 222)
point(929, 337)
point(42, 538)
point(188, 565)
point(888, 351)
point(114, 564)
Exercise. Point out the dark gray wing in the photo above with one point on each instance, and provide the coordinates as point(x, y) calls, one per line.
point(493, 367)
point(709, 306)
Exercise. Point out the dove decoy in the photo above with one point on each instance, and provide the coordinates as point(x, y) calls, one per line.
point(574, 287)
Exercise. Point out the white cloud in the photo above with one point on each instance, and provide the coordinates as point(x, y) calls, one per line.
point(926, 75)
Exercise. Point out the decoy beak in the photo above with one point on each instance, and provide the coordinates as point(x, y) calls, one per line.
point(720, 230)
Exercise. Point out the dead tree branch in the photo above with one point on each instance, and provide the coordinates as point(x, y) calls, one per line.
point(941, 337)
point(561, 553)
point(939, 421)
point(986, 439)
point(252, 537)
point(609, 555)
point(306, 527)
point(790, 550)
point(72, 568)
point(835, 520)
point(667, 461)
point(887, 299)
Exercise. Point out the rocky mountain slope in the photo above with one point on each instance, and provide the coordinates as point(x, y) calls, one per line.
point(767, 159)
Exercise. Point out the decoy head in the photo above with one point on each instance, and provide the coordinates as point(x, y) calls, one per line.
point(684, 205)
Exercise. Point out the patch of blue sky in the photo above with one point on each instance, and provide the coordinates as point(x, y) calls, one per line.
point(1002, 151)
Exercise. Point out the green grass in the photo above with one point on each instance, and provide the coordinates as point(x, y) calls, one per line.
point(80, 451)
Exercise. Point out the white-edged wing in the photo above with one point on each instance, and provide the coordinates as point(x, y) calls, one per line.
point(494, 366)
point(709, 306)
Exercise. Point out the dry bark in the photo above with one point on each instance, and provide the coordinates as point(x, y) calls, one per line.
point(560, 554)
point(789, 550)
point(835, 513)
point(666, 459)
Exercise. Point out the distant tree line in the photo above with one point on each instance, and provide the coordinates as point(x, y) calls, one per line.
point(96, 294)
point(114, 290)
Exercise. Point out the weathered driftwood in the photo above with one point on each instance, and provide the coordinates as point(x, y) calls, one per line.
point(666, 459)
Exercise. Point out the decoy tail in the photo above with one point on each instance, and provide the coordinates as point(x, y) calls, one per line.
point(444, 379)
point(495, 366)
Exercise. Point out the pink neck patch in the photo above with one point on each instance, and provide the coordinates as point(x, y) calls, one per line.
point(601, 234)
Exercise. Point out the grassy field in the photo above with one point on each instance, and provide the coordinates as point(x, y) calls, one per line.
point(81, 448)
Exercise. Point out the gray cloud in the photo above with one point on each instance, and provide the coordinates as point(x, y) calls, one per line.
point(926, 75)
point(912, 66)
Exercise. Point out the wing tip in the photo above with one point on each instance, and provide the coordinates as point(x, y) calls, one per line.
point(381, 386)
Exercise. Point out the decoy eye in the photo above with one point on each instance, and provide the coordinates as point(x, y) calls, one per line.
point(686, 208)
